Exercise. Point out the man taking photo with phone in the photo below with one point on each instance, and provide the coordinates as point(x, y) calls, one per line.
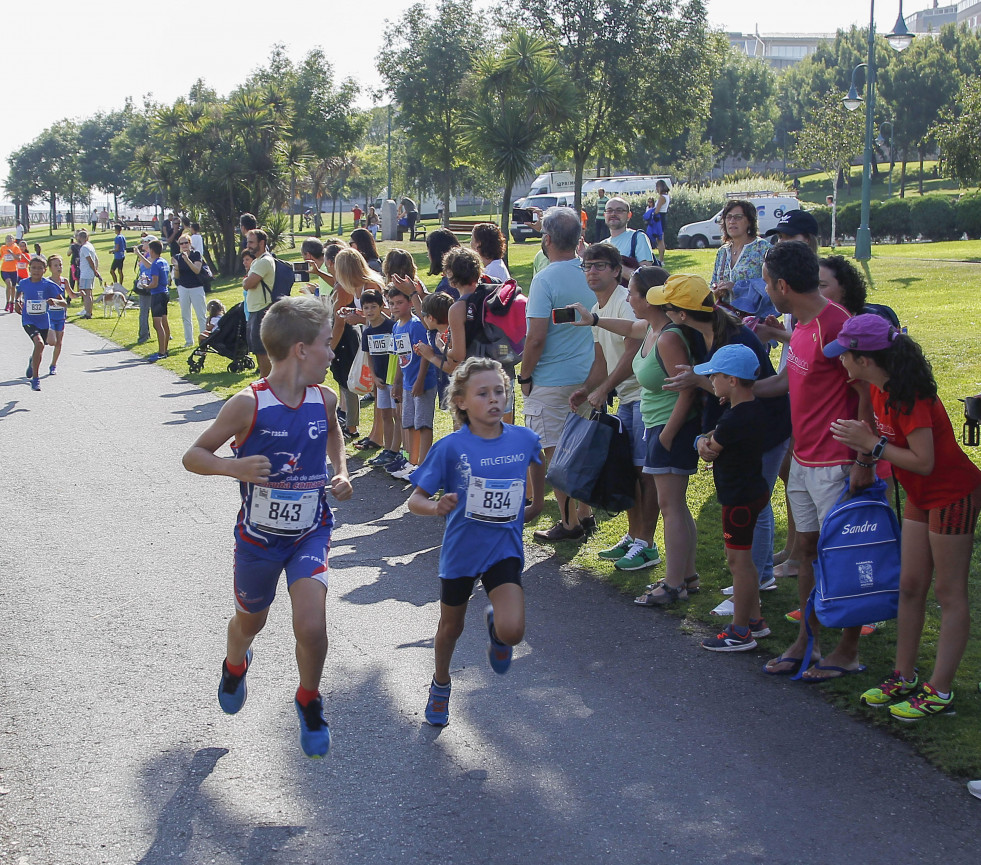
point(557, 359)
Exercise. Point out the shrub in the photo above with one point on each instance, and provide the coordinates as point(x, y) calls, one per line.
point(822, 213)
point(968, 214)
point(849, 218)
point(934, 217)
point(892, 220)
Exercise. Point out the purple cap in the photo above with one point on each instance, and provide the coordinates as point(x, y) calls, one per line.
point(866, 332)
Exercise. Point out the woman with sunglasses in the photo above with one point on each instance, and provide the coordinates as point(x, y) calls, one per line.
point(187, 266)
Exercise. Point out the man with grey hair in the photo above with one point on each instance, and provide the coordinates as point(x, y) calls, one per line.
point(557, 359)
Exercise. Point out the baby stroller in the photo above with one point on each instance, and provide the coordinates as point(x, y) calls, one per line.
point(227, 339)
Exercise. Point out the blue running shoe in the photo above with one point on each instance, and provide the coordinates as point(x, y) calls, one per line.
point(498, 653)
point(35, 384)
point(232, 690)
point(314, 732)
point(438, 706)
point(397, 465)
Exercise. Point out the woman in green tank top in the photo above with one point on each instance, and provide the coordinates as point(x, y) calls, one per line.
point(668, 412)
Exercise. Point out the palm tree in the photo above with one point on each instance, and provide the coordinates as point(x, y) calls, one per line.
point(296, 154)
point(523, 95)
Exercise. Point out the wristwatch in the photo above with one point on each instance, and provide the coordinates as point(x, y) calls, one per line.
point(524, 380)
point(879, 448)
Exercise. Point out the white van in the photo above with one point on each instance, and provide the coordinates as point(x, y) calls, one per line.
point(631, 185)
point(770, 206)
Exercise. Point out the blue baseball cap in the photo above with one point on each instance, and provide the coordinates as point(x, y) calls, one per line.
point(738, 360)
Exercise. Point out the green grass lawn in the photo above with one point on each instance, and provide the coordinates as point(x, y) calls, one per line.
point(933, 288)
point(815, 187)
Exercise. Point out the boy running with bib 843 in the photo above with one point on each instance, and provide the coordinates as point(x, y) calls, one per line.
point(283, 430)
point(481, 469)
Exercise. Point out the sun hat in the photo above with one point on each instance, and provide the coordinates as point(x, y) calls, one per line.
point(736, 359)
point(866, 332)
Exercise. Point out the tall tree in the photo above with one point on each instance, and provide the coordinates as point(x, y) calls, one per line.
point(743, 110)
point(831, 136)
point(916, 87)
point(522, 93)
point(639, 68)
point(959, 135)
point(427, 55)
point(98, 164)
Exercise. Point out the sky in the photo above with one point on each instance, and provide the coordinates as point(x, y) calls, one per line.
point(102, 53)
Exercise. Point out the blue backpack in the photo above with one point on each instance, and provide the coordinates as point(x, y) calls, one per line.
point(856, 575)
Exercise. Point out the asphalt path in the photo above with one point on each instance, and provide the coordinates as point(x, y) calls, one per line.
point(614, 738)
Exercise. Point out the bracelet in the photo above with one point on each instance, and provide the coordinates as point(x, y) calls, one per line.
point(697, 440)
point(595, 319)
point(864, 465)
point(524, 380)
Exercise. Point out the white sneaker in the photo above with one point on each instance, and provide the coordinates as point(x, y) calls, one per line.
point(766, 586)
point(403, 475)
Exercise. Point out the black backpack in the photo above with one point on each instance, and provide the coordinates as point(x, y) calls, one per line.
point(282, 282)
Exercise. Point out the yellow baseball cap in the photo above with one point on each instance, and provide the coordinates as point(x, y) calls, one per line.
point(685, 291)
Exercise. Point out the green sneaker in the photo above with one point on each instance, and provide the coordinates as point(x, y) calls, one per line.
point(926, 703)
point(620, 550)
point(639, 556)
point(891, 689)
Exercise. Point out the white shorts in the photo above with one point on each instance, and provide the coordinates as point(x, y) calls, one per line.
point(812, 492)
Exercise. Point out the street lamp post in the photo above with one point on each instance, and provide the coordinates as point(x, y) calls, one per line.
point(899, 39)
point(880, 141)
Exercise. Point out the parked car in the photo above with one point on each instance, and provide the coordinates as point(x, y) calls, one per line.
point(520, 232)
point(770, 207)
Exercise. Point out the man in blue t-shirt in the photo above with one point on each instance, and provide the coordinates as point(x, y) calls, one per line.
point(634, 246)
point(35, 295)
point(557, 359)
point(118, 255)
point(159, 285)
point(415, 383)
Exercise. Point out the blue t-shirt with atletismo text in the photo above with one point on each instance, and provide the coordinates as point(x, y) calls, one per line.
point(34, 301)
point(488, 477)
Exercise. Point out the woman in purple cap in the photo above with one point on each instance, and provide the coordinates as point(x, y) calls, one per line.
point(943, 490)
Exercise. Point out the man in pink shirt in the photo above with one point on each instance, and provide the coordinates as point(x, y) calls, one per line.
point(820, 393)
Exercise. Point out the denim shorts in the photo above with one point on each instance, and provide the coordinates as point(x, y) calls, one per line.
point(633, 422)
point(682, 459)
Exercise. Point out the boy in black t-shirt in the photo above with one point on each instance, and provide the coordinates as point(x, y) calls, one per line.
point(736, 448)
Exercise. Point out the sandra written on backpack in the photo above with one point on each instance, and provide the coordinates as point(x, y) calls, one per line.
point(856, 575)
point(496, 325)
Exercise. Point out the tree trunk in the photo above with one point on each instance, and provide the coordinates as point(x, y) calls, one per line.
point(921, 154)
point(292, 197)
point(902, 178)
point(834, 211)
point(580, 166)
point(447, 185)
point(506, 215)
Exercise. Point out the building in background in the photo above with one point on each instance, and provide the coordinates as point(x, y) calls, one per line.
point(931, 20)
point(779, 50)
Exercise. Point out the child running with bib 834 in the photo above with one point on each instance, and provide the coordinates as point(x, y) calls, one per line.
point(481, 468)
point(283, 430)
